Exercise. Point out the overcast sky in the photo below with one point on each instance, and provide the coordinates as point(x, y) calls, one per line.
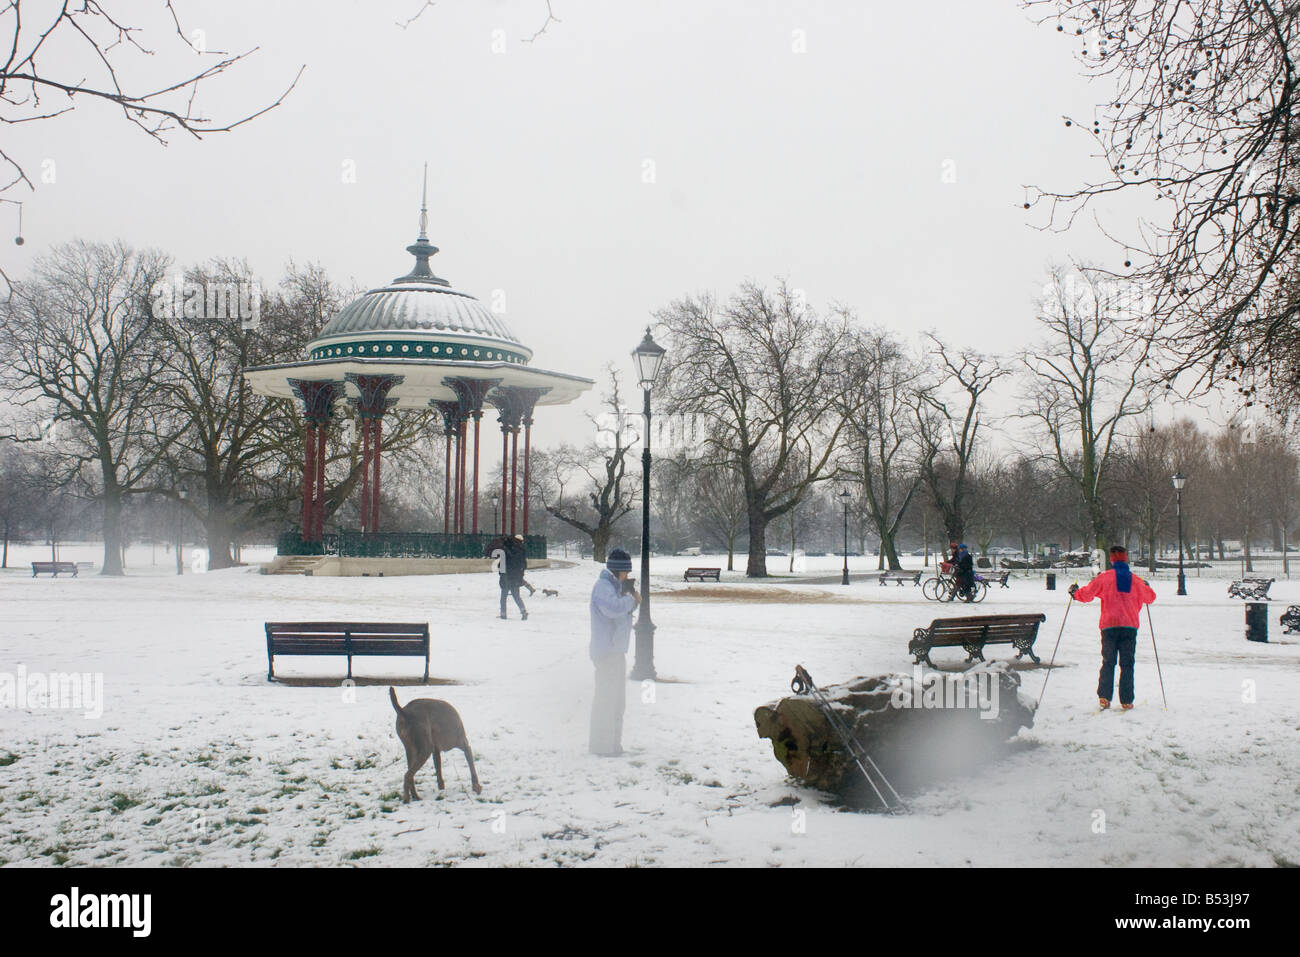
point(874, 153)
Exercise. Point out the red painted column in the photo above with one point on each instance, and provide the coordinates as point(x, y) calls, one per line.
point(308, 479)
point(318, 512)
point(464, 466)
point(365, 474)
point(514, 475)
point(446, 494)
point(528, 437)
point(477, 417)
point(505, 474)
point(377, 452)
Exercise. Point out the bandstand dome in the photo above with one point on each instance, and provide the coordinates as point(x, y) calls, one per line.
point(419, 328)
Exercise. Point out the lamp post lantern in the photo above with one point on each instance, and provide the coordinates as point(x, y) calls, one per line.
point(845, 498)
point(1179, 480)
point(649, 357)
point(181, 494)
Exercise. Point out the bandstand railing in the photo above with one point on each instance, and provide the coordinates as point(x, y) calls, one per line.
point(352, 543)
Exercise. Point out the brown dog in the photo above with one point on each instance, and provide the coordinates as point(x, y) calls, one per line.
point(427, 727)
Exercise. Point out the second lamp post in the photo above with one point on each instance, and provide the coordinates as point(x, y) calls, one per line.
point(845, 497)
point(649, 357)
point(1179, 481)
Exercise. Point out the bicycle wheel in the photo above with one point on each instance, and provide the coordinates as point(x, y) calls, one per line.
point(979, 590)
point(931, 589)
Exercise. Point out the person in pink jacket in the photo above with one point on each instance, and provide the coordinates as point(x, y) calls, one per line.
point(1122, 596)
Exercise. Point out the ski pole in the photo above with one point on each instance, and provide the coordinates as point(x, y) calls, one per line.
point(1052, 663)
point(1157, 652)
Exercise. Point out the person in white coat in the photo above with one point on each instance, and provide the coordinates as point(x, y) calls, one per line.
point(611, 630)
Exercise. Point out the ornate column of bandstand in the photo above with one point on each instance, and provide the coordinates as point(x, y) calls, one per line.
point(449, 409)
point(516, 405)
point(511, 411)
point(528, 401)
point(470, 395)
point(317, 399)
point(371, 404)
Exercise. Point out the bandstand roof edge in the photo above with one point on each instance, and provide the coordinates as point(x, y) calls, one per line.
point(421, 380)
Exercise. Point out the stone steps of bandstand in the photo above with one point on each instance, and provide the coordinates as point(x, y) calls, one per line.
point(292, 564)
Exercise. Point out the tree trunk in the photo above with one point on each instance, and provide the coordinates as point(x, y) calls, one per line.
point(889, 551)
point(112, 532)
point(600, 543)
point(757, 564)
point(914, 734)
point(731, 551)
point(4, 562)
point(217, 534)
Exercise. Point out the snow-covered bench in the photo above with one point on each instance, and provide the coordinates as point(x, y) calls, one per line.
point(54, 568)
point(1290, 620)
point(972, 633)
point(1256, 588)
point(700, 574)
point(900, 578)
point(998, 577)
point(343, 638)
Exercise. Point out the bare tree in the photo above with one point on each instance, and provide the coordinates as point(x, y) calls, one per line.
point(82, 347)
point(764, 372)
point(720, 507)
point(18, 495)
point(1200, 114)
point(607, 492)
point(62, 55)
point(1144, 466)
point(883, 450)
point(1084, 381)
point(949, 429)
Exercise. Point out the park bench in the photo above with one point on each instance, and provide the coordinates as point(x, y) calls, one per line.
point(344, 638)
point(54, 568)
point(1000, 578)
point(1290, 620)
point(1256, 588)
point(900, 578)
point(700, 574)
point(975, 632)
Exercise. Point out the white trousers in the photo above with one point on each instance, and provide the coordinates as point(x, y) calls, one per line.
point(608, 704)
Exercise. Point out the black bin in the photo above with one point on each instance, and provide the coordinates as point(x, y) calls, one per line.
point(1050, 578)
point(1256, 621)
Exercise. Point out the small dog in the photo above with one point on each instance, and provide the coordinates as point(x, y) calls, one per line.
point(427, 727)
point(550, 593)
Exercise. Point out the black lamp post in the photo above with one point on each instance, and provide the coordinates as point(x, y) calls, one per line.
point(496, 500)
point(181, 494)
point(845, 498)
point(1179, 481)
point(649, 358)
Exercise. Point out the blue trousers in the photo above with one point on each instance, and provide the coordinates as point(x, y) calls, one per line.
point(1121, 644)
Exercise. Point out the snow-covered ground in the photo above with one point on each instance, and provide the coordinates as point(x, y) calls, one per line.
point(198, 760)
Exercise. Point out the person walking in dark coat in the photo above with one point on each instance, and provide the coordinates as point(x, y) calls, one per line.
point(513, 563)
point(964, 573)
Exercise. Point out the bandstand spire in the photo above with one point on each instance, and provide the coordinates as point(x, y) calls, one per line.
point(422, 249)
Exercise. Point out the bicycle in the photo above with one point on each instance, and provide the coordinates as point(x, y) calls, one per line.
point(937, 588)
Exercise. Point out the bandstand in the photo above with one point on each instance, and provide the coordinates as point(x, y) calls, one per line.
point(417, 343)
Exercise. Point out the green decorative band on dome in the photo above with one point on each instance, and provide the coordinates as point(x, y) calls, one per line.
point(416, 349)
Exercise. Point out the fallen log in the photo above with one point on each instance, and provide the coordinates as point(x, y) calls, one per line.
point(919, 728)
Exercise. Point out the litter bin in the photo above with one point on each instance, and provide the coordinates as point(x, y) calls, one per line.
point(1256, 621)
point(1051, 581)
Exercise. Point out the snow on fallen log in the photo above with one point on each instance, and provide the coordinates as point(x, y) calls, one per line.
point(918, 728)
